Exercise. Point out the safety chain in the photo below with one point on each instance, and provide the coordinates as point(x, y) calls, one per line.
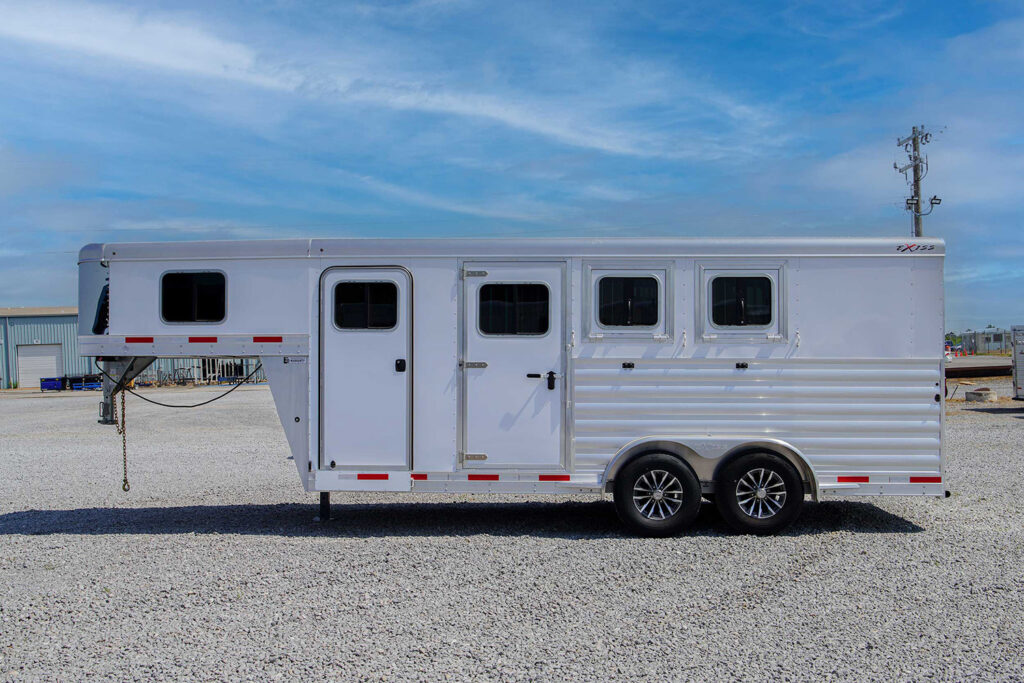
point(122, 428)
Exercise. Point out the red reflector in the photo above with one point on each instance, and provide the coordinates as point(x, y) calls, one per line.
point(372, 476)
point(267, 340)
point(202, 340)
point(483, 477)
point(418, 477)
point(553, 477)
point(926, 480)
point(138, 340)
point(852, 480)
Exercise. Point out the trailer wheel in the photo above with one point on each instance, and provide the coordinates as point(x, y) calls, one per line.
point(656, 495)
point(759, 493)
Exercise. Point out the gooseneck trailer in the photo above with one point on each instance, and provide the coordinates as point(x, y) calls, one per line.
point(752, 372)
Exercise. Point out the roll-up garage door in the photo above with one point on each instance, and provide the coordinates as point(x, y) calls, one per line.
point(38, 360)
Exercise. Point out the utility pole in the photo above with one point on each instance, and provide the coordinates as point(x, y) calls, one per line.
point(919, 166)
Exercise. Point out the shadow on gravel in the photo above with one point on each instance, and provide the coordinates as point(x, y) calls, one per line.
point(570, 520)
point(1016, 410)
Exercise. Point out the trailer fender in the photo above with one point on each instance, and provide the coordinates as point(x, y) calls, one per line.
point(706, 455)
point(782, 449)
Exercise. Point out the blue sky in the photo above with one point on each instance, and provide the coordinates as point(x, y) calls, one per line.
point(179, 120)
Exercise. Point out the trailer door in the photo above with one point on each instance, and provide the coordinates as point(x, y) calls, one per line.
point(513, 365)
point(366, 368)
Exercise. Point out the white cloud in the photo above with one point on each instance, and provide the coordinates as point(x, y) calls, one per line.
point(135, 37)
point(588, 120)
point(524, 210)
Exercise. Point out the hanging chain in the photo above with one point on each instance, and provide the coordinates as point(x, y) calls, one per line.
point(122, 428)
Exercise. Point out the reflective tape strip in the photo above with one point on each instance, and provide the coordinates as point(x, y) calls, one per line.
point(926, 480)
point(267, 340)
point(138, 340)
point(202, 340)
point(483, 477)
point(419, 477)
point(553, 477)
point(852, 480)
point(373, 476)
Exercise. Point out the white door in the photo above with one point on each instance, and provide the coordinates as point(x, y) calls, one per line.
point(36, 361)
point(366, 368)
point(514, 365)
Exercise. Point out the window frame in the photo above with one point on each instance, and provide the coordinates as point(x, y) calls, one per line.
point(479, 328)
point(160, 296)
point(595, 271)
point(775, 332)
point(360, 330)
point(773, 298)
point(657, 302)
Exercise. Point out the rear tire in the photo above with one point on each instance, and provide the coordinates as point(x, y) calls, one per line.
point(759, 493)
point(656, 495)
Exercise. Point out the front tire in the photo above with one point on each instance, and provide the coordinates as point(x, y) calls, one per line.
point(656, 495)
point(759, 493)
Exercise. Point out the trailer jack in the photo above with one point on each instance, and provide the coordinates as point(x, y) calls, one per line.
point(117, 372)
point(325, 507)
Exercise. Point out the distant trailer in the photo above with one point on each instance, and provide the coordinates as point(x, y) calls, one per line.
point(1017, 335)
point(749, 372)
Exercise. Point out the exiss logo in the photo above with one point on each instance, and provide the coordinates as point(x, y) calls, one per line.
point(905, 248)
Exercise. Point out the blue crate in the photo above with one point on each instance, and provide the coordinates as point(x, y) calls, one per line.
point(51, 384)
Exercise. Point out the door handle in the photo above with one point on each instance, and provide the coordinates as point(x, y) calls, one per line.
point(400, 365)
point(551, 376)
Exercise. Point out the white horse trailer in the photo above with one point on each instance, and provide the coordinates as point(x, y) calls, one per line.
point(751, 372)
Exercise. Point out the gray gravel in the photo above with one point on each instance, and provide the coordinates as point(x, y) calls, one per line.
point(211, 568)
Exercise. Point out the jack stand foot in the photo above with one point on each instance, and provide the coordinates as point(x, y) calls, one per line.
point(325, 507)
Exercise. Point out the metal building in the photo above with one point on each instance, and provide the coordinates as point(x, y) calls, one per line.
point(989, 341)
point(39, 342)
point(43, 342)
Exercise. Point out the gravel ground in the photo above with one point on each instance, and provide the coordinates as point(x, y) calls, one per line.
point(211, 568)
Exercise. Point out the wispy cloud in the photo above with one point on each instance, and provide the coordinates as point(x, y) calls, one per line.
point(152, 40)
point(524, 210)
point(136, 37)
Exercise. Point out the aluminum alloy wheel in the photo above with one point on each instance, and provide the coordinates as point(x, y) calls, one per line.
point(761, 493)
point(658, 494)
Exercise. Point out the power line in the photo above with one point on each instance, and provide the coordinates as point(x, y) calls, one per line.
point(918, 165)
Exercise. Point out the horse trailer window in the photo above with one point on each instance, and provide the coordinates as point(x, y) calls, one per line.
point(627, 301)
point(193, 297)
point(741, 301)
point(514, 309)
point(365, 305)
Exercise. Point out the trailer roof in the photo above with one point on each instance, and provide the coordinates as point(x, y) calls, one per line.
point(517, 247)
point(37, 311)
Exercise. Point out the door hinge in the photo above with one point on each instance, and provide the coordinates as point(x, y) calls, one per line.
point(474, 273)
point(472, 364)
point(474, 456)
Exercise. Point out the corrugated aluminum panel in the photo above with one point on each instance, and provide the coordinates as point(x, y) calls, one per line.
point(870, 416)
point(62, 329)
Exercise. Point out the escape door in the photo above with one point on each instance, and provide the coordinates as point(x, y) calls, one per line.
point(513, 365)
point(366, 368)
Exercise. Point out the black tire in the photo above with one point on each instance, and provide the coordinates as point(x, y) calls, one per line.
point(656, 495)
point(759, 493)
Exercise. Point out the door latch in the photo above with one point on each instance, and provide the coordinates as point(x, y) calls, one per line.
point(400, 365)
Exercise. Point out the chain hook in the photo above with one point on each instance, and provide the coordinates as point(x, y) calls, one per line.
point(122, 429)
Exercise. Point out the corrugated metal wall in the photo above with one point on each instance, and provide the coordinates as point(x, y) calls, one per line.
point(50, 329)
point(63, 330)
point(877, 417)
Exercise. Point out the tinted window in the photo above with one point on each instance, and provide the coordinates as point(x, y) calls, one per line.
point(627, 301)
point(365, 305)
point(738, 301)
point(514, 309)
point(192, 297)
